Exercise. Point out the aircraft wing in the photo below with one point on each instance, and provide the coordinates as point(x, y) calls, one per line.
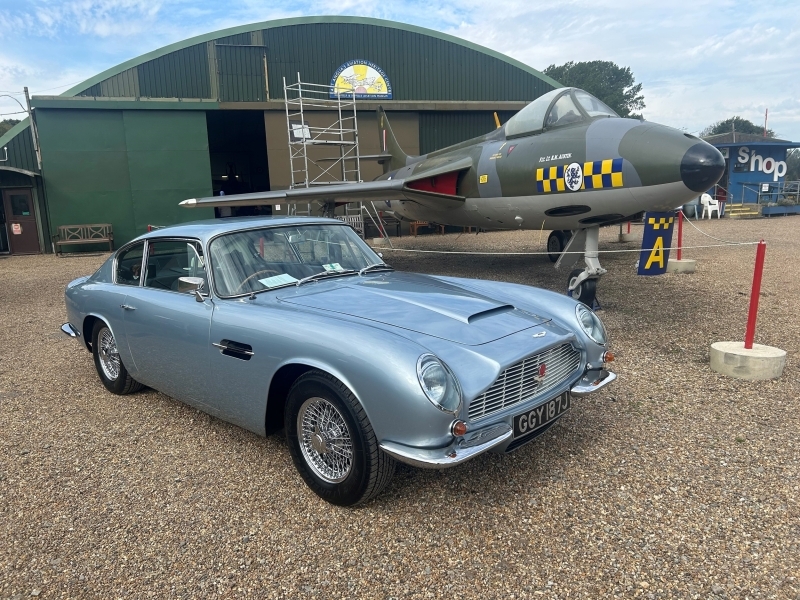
point(433, 188)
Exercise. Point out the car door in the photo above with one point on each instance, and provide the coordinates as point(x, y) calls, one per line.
point(167, 330)
point(108, 299)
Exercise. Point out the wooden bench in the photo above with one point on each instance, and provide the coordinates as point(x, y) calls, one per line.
point(415, 225)
point(99, 233)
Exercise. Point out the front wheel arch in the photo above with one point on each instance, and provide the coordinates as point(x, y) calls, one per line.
point(279, 388)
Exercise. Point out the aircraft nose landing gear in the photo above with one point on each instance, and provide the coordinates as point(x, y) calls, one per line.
point(583, 290)
point(582, 283)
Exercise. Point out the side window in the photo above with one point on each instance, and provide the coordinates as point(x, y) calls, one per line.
point(168, 261)
point(129, 265)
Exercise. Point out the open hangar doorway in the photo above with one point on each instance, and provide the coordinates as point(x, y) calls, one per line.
point(237, 147)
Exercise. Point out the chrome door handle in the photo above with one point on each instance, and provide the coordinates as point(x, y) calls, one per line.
point(234, 348)
point(126, 307)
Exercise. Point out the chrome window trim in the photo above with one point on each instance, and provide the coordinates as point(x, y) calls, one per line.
point(256, 228)
point(146, 243)
point(117, 254)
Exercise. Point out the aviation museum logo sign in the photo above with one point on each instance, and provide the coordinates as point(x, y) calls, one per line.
point(363, 78)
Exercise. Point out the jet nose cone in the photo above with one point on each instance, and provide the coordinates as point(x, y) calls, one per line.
point(701, 167)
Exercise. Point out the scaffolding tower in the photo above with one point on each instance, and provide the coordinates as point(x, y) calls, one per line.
point(336, 158)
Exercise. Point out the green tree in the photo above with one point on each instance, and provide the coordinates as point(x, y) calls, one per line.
point(741, 125)
point(613, 84)
point(6, 125)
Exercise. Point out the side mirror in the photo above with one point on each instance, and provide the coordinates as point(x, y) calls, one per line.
point(192, 285)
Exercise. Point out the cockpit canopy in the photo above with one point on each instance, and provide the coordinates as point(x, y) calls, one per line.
point(559, 107)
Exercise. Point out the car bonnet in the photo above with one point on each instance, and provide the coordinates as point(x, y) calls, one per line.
point(416, 303)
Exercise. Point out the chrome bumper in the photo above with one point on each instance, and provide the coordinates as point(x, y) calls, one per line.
point(70, 330)
point(592, 381)
point(463, 449)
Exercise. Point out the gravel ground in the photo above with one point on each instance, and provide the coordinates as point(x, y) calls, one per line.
point(674, 483)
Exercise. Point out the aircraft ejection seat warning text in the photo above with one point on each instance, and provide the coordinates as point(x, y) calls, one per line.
point(656, 242)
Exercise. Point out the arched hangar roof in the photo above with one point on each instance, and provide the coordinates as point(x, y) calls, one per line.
point(422, 64)
point(228, 66)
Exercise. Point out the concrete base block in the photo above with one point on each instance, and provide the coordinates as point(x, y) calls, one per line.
point(378, 241)
point(627, 237)
point(685, 265)
point(760, 362)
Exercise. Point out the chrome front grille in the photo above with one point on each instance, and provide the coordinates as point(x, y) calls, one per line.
point(520, 382)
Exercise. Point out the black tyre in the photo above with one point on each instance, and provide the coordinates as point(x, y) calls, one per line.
point(109, 365)
point(586, 290)
point(555, 244)
point(332, 442)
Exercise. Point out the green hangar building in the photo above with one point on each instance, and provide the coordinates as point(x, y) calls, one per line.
point(207, 116)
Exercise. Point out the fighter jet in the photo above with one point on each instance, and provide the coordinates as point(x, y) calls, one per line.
point(566, 162)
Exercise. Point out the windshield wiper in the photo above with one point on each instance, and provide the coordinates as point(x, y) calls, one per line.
point(323, 274)
point(374, 267)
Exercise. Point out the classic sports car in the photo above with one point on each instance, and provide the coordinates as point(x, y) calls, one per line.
point(296, 323)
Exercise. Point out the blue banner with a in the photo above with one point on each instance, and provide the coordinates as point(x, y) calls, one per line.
point(656, 242)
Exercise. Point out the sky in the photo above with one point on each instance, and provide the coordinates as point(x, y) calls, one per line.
point(699, 61)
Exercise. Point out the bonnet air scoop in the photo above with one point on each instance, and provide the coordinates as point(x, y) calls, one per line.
point(417, 303)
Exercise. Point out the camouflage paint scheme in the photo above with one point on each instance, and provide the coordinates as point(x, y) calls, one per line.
point(501, 180)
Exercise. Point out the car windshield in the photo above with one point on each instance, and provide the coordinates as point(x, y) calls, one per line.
point(255, 260)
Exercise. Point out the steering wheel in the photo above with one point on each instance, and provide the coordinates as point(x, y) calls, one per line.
point(249, 277)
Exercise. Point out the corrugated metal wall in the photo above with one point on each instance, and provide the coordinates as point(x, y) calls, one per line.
point(439, 129)
point(420, 67)
point(241, 73)
point(20, 152)
point(180, 74)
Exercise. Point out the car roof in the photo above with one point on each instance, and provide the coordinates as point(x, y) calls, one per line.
point(207, 229)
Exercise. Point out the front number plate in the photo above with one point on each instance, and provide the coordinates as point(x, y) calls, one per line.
point(540, 416)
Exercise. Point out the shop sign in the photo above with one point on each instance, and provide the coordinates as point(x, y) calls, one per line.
point(362, 77)
point(757, 162)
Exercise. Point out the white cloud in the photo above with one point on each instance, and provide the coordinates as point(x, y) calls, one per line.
point(699, 60)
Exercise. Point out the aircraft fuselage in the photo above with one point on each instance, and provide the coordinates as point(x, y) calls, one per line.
point(590, 173)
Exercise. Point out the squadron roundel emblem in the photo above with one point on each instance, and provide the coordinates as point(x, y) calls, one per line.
point(573, 177)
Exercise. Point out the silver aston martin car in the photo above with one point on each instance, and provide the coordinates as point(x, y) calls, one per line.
point(296, 323)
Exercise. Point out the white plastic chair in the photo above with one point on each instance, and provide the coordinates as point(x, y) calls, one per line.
point(709, 205)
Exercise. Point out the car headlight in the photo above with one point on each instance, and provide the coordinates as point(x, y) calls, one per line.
point(438, 383)
point(591, 324)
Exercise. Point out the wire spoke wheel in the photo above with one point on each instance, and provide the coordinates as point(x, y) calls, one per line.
point(108, 354)
point(325, 440)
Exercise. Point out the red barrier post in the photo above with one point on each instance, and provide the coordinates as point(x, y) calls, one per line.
point(680, 233)
point(755, 293)
point(629, 226)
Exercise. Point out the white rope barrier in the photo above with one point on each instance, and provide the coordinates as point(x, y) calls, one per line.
point(637, 250)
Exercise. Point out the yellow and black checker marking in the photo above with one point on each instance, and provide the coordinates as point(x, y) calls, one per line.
point(550, 179)
point(660, 222)
point(601, 174)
